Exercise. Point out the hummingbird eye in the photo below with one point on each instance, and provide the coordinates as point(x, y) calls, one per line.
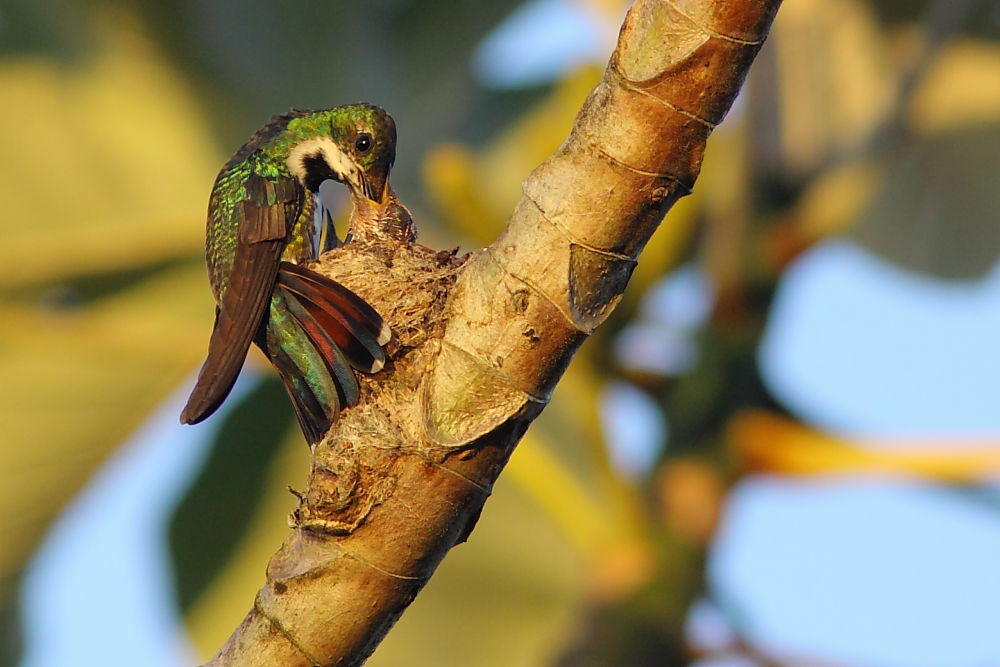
point(363, 143)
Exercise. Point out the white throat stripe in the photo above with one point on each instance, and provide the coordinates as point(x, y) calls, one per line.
point(340, 163)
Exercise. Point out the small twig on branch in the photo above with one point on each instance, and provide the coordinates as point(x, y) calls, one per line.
point(481, 340)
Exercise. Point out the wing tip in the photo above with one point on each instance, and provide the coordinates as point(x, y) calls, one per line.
point(196, 412)
point(200, 407)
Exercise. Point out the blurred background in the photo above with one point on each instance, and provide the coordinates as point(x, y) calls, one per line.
point(782, 449)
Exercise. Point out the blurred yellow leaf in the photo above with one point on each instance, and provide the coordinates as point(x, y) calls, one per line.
point(770, 443)
point(550, 484)
point(516, 151)
point(962, 87)
point(836, 81)
point(571, 429)
point(77, 382)
point(451, 179)
point(107, 166)
point(835, 199)
point(611, 11)
point(476, 192)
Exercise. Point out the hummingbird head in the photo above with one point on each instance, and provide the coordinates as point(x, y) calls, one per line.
point(354, 144)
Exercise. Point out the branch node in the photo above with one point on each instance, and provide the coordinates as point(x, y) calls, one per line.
point(384, 571)
point(537, 290)
point(534, 398)
point(709, 31)
point(628, 84)
point(486, 490)
point(570, 236)
point(283, 631)
point(687, 188)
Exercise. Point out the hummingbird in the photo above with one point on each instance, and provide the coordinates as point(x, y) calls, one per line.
point(262, 217)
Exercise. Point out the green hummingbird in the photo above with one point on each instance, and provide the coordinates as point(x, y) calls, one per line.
point(262, 218)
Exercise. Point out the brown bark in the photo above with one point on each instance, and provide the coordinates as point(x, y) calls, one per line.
point(480, 341)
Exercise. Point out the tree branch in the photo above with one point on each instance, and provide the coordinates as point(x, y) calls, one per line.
point(480, 341)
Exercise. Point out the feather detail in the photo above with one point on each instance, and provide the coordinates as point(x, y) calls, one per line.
point(236, 322)
point(346, 301)
point(340, 370)
point(260, 241)
point(308, 412)
point(310, 383)
point(352, 336)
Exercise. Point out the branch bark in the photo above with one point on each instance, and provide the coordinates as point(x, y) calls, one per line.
point(480, 341)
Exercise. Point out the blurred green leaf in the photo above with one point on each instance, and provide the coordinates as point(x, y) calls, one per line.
point(214, 515)
point(11, 642)
point(32, 27)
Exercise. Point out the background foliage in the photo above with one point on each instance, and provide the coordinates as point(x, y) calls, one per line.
point(871, 123)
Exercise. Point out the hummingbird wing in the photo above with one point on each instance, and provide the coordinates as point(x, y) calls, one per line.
point(347, 318)
point(342, 330)
point(266, 215)
point(313, 329)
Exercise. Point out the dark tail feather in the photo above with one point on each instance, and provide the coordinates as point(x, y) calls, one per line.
point(352, 335)
point(340, 371)
point(342, 299)
point(310, 414)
